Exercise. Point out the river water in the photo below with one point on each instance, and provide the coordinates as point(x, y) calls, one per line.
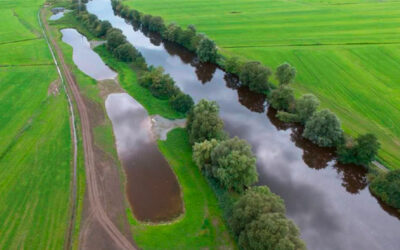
point(331, 203)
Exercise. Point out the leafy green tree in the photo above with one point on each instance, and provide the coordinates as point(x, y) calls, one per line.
point(203, 122)
point(285, 73)
point(160, 85)
point(181, 102)
point(146, 19)
point(387, 187)
point(173, 32)
point(361, 152)
point(233, 65)
point(271, 231)
point(156, 24)
point(233, 164)
point(255, 76)
point(256, 201)
point(306, 106)
point(102, 29)
point(282, 98)
point(114, 38)
point(126, 52)
point(207, 51)
point(323, 129)
point(202, 154)
point(186, 38)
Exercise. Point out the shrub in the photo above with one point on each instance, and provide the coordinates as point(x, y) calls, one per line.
point(282, 98)
point(126, 52)
point(102, 28)
point(207, 51)
point(306, 106)
point(255, 76)
point(360, 152)
point(114, 38)
point(160, 85)
point(285, 73)
point(156, 24)
point(233, 65)
point(181, 102)
point(387, 187)
point(323, 129)
point(203, 122)
point(202, 155)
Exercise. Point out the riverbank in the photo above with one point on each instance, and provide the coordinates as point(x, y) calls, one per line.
point(245, 30)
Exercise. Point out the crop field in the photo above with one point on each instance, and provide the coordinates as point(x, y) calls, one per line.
point(35, 145)
point(345, 52)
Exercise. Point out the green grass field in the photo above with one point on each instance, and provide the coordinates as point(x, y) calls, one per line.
point(35, 145)
point(201, 226)
point(346, 52)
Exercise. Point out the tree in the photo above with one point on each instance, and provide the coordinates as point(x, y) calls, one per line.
point(387, 187)
point(323, 129)
point(203, 122)
point(114, 38)
point(361, 152)
point(233, 164)
point(207, 51)
point(271, 231)
point(156, 24)
point(282, 98)
point(233, 65)
point(160, 85)
point(285, 73)
point(256, 201)
point(202, 155)
point(181, 102)
point(126, 52)
point(255, 76)
point(306, 106)
point(258, 219)
point(102, 29)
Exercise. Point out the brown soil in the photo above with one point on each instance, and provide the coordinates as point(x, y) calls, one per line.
point(104, 223)
point(54, 88)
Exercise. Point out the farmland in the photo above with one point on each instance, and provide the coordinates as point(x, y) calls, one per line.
point(35, 145)
point(346, 52)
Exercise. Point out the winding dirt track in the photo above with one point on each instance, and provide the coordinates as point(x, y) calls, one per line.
point(92, 185)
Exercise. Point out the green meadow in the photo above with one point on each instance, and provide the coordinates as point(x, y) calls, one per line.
point(35, 145)
point(346, 52)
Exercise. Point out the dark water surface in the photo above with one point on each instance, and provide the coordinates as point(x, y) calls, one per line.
point(88, 61)
point(152, 188)
point(331, 203)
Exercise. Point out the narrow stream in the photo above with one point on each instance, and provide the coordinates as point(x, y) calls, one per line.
point(331, 203)
point(152, 187)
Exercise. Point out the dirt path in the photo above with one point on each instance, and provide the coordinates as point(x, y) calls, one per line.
point(93, 193)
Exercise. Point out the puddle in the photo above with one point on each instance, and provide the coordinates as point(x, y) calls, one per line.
point(85, 58)
point(152, 188)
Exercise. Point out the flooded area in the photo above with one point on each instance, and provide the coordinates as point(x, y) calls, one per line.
point(331, 203)
point(85, 58)
point(152, 188)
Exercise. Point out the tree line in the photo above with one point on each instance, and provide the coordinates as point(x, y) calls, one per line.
point(161, 85)
point(257, 216)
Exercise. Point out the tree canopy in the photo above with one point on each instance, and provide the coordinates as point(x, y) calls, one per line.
point(181, 102)
point(285, 73)
point(361, 152)
point(207, 51)
point(387, 187)
point(282, 98)
point(323, 129)
point(255, 76)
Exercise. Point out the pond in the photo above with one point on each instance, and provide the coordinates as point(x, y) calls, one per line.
point(330, 202)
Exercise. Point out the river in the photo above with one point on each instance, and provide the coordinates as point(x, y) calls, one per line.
point(331, 203)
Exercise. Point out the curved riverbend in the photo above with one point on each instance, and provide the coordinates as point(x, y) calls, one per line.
point(152, 187)
point(88, 61)
point(331, 203)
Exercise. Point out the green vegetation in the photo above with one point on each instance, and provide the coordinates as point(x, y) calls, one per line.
point(201, 225)
point(255, 76)
point(334, 47)
point(387, 187)
point(259, 221)
point(35, 145)
point(361, 151)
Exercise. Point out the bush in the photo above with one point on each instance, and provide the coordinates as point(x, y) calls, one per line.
point(233, 164)
point(207, 51)
point(182, 102)
point(102, 28)
point(323, 129)
point(160, 85)
point(282, 98)
point(202, 155)
point(114, 39)
point(360, 152)
point(203, 122)
point(255, 76)
point(233, 65)
point(306, 106)
point(387, 187)
point(156, 24)
point(285, 73)
point(126, 52)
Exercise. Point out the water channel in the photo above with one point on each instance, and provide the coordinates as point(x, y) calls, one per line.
point(331, 203)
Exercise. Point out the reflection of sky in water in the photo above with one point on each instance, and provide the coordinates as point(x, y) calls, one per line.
point(330, 203)
point(85, 58)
